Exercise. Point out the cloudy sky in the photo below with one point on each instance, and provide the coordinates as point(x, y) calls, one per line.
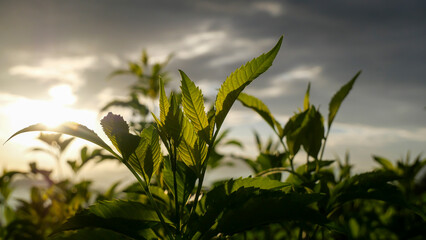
point(55, 56)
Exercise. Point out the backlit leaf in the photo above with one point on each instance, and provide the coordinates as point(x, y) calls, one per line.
point(386, 164)
point(117, 131)
point(258, 106)
point(338, 98)
point(306, 100)
point(148, 155)
point(125, 209)
point(238, 80)
point(164, 102)
point(70, 128)
point(193, 106)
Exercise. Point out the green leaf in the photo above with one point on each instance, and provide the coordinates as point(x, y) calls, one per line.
point(238, 205)
point(125, 209)
point(70, 128)
point(193, 106)
point(313, 133)
point(238, 80)
point(86, 222)
point(230, 192)
point(148, 155)
point(91, 234)
point(386, 164)
point(118, 72)
point(117, 131)
point(258, 106)
point(173, 121)
point(306, 100)
point(374, 185)
point(267, 208)
point(135, 69)
point(293, 130)
point(338, 98)
point(185, 180)
point(192, 150)
point(164, 103)
point(305, 129)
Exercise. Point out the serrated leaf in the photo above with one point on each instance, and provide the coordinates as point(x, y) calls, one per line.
point(338, 98)
point(173, 121)
point(117, 131)
point(164, 103)
point(125, 209)
point(70, 128)
point(238, 80)
point(193, 106)
point(258, 106)
point(269, 208)
point(191, 149)
point(264, 200)
point(148, 157)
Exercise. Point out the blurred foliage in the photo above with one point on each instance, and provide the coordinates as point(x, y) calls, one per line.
point(146, 86)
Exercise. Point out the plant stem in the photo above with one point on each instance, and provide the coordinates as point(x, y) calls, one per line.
point(291, 163)
point(145, 187)
point(174, 169)
point(325, 142)
point(203, 172)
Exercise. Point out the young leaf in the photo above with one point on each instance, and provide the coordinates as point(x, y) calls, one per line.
point(173, 121)
point(238, 80)
point(338, 98)
point(193, 106)
point(191, 149)
point(258, 106)
point(70, 128)
point(306, 100)
point(294, 132)
point(386, 164)
point(314, 132)
point(117, 131)
point(148, 153)
point(164, 103)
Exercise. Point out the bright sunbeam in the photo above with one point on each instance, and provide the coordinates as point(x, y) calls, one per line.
point(20, 112)
point(62, 94)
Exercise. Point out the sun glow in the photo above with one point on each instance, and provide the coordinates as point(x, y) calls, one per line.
point(62, 94)
point(20, 112)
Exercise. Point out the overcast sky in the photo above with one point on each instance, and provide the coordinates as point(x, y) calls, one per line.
point(74, 45)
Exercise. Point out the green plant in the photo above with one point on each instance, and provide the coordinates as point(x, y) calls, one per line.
point(170, 201)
